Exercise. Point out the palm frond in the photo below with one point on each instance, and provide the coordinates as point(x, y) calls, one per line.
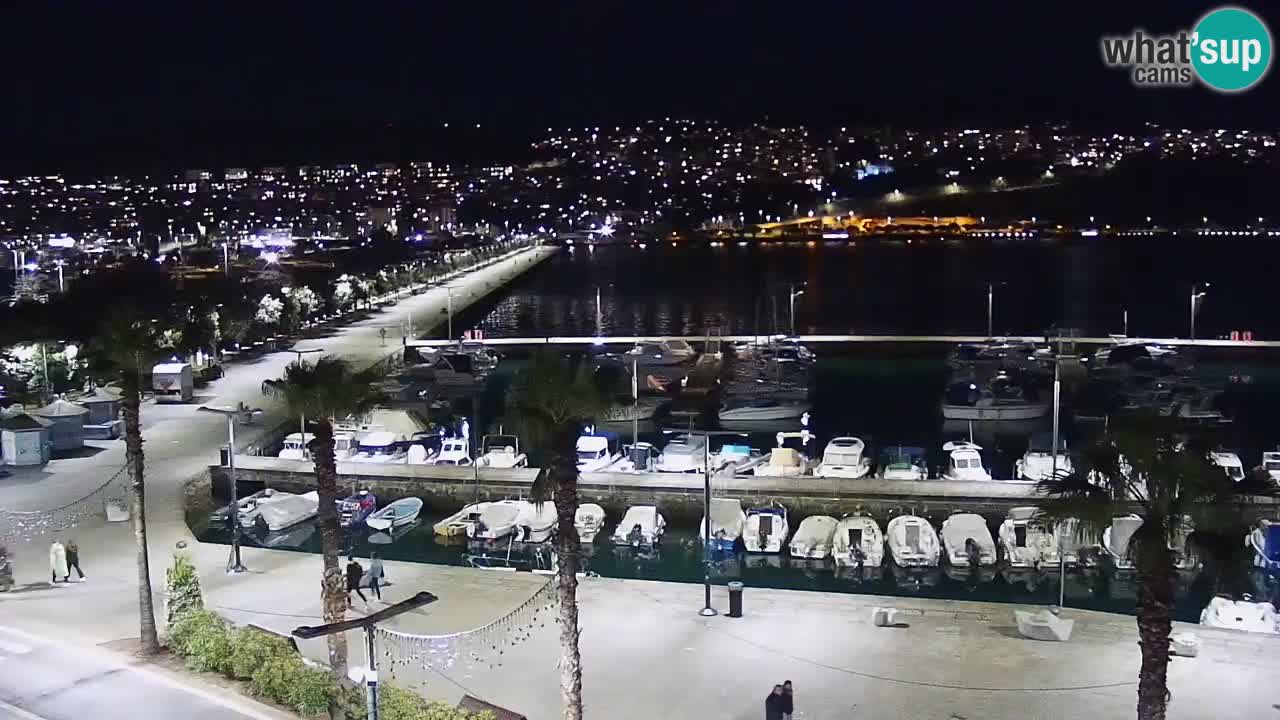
point(330, 387)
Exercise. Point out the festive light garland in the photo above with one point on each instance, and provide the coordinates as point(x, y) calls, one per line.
point(18, 525)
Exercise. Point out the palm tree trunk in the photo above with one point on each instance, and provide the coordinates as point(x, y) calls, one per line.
point(568, 548)
point(333, 586)
point(1155, 603)
point(132, 401)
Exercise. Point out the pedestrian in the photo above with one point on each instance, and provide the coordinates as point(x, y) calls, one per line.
point(58, 561)
point(773, 704)
point(354, 573)
point(788, 701)
point(73, 559)
point(376, 573)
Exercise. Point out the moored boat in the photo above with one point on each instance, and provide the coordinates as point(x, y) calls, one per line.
point(641, 526)
point(766, 529)
point(1027, 540)
point(459, 523)
point(912, 542)
point(844, 457)
point(812, 540)
point(967, 541)
point(589, 521)
point(398, 514)
point(858, 542)
point(727, 521)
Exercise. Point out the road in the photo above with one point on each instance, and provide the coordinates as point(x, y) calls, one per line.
point(43, 680)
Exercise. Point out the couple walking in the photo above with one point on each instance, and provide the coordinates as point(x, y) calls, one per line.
point(358, 578)
point(62, 558)
point(780, 703)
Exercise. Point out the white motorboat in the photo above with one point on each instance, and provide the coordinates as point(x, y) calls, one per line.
point(1038, 463)
point(1027, 540)
point(903, 463)
point(522, 520)
point(398, 514)
point(596, 451)
point(459, 523)
point(844, 457)
point(1115, 540)
point(1271, 463)
point(912, 542)
point(536, 522)
point(283, 510)
point(589, 521)
point(1265, 541)
point(964, 462)
point(858, 542)
point(1001, 399)
point(637, 458)
point(484, 358)
point(1229, 462)
point(379, 447)
point(748, 409)
point(295, 446)
point(453, 451)
point(641, 526)
point(967, 541)
point(353, 509)
point(812, 540)
point(766, 529)
point(501, 451)
point(727, 521)
point(786, 461)
point(736, 458)
point(664, 352)
point(1243, 614)
point(683, 453)
point(245, 507)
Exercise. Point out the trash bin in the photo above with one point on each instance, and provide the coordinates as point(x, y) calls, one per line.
point(224, 455)
point(735, 599)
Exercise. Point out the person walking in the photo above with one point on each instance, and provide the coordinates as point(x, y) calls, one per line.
point(73, 559)
point(58, 561)
point(788, 700)
point(376, 573)
point(354, 574)
point(773, 704)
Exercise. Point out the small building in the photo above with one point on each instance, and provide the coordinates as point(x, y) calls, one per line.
point(103, 404)
point(66, 424)
point(24, 440)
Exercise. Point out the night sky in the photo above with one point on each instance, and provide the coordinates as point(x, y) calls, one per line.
point(110, 84)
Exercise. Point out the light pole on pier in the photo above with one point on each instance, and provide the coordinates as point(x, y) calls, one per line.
point(234, 565)
point(1196, 296)
point(791, 304)
point(302, 419)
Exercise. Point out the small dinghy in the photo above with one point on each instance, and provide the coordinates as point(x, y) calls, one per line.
point(398, 514)
point(641, 526)
point(1242, 614)
point(858, 542)
point(458, 523)
point(727, 521)
point(589, 520)
point(967, 541)
point(766, 529)
point(912, 542)
point(813, 538)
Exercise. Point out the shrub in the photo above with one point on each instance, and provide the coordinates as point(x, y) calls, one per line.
point(182, 583)
point(275, 676)
point(251, 648)
point(204, 639)
point(310, 690)
point(187, 626)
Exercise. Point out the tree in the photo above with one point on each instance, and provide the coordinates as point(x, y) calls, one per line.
point(329, 388)
point(551, 401)
point(126, 347)
point(1149, 469)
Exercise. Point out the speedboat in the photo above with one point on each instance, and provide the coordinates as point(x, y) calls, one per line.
point(460, 522)
point(522, 520)
point(1027, 540)
point(903, 463)
point(1271, 463)
point(766, 529)
point(1265, 541)
point(683, 453)
point(1137, 356)
point(353, 509)
point(762, 408)
point(786, 461)
point(501, 451)
point(964, 462)
point(727, 521)
point(295, 446)
point(1002, 399)
point(244, 506)
point(735, 458)
point(453, 451)
point(596, 451)
point(1038, 463)
point(665, 352)
point(284, 510)
point(858, 542)
point(1115, 540)
point(812, 540)
point(641, 526)
point(967, 541)
point(844, 457)
point(1243, 614)
point(912, 542)
point(398, 514)
point(1229, 462)
point(637, 458)
point(379, 447)
point(589, 520)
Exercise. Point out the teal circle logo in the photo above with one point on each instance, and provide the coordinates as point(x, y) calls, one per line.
point(1231, 49)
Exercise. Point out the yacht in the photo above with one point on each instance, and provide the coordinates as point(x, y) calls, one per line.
point(1265, 541)
point(501, 451)
point(1001, 399)
point(664, 352)
point(727, 521)
point(765, 407)
point(964, 462)
point(903, 463)
point(460, 523)
point(785, 461)
point(596, 451)
point(1115, 540)
point(766, 529)
point(641, 526)
point(354, 509)
point(967, 541)
point(283, 510)
point(812, 540)
point(295, 446)
point(844, 457)
point(1229, 462)
point(589, 520)
point(379, 447)
point(637, 458)
point(683, 453)
point(1243, 614)
point(1038, 463)
point(453, 451)
point(858, 542)
point(1027, 541)
point(912, 542)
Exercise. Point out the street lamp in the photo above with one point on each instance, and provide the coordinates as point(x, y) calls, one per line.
point(449, 290)
point(791, 303)
point(302, 419)
point(991, 296)
point(62, 287)
point(231, 413)
point(1196, 295)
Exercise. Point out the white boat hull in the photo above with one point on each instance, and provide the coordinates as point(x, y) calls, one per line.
point(394, 515)
point(784, 411)
point(849, 472)
point(1255, 617)
point(995, 412)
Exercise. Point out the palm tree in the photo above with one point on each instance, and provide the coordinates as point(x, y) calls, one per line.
point(550, 403)
point(1151, 470)
point(322, 391)
point(126, 346)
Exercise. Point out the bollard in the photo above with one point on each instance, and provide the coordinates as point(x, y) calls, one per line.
point(735, 599)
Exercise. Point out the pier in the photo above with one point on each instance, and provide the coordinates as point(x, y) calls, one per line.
point(860, 339)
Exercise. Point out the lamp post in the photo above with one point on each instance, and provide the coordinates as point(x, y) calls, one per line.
point(302, 419)
point(62, 286)
point(234, 565)
point(791, 304)
point(991, 300)
point(1196, 295)
point(226, 260)
point(449, 290)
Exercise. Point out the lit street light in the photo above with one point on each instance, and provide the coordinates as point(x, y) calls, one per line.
point(1196, 295)
point(791, 302)
point(991, 295)
point(234, 565)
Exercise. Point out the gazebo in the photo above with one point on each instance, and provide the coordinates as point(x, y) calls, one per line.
point(66, 424)
point(103, 404)
point(24, 440)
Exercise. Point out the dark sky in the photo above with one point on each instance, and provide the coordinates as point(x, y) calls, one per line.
point(108, 83)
